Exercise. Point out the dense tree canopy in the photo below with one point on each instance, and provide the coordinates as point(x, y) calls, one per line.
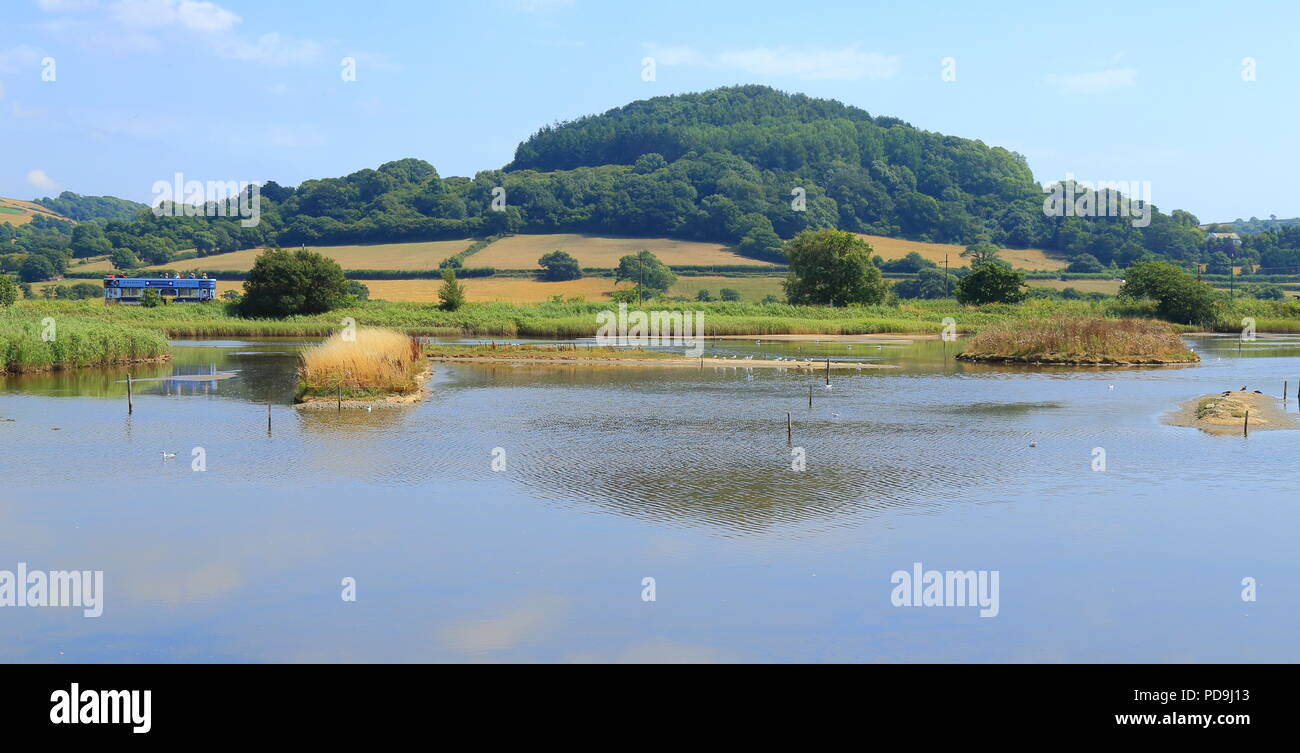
point(832, 267)
point(284, 283)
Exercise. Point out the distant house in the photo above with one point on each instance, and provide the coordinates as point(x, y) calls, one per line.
point(1220, 239)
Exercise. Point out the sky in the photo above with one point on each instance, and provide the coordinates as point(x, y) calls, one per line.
point(107, 97)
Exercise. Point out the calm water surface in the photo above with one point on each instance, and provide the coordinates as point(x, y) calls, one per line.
point(616, 474)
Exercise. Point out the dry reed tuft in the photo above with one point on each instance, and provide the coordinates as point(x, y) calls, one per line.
point(1081, 340)
point(376, 361)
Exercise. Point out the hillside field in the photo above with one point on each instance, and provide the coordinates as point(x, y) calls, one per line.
point(398, 256)
point(17, 212)
point(1031, 259)
point(523, 251)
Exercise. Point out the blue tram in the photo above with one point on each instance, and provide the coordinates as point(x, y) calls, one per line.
point(172, 290)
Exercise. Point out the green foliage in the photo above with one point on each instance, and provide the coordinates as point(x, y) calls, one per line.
point(912, 262)
point(82, 208)
point(8, 290)
point(645, 269)
point(452, 293)
point(729, 294)
point(704, 296)
point(991, 283)
point(1085, 263)
point(558, 266)
point(358, 291)
point(979, 253)
point(1178, 297)
point(832, 267)
point(1268, 292)
point(285, 283)
point(929, 283)
point(123, 258)
point(150, 298)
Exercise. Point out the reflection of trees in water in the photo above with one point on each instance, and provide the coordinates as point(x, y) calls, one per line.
point(735, 473)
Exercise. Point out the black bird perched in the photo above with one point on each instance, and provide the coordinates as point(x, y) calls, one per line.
point(1257, 392)
point(1243, 388)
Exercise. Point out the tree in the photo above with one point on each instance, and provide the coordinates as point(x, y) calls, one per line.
point(8, 290)
point(558, 265)
point(358, 290)
point(1179, 297)
point(88, 240)
point(284, 283)
point(150, 298)
point(123, 258)
point(452, 293)
point(929, 283)
point(729, 294)
point(1268, 292)
point(832, 267)
point(37, 267)
point(1085, 263)
point(645, 269)
point(981, 253)
point(991, 283)
point(704, 296)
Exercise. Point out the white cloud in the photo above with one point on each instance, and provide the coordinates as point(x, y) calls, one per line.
point(273, 48)
point(38, 179)
point(1095, 82)
point(838, 64)
point(195, 15)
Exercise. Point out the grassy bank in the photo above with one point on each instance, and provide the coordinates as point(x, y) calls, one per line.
point(578, 319)
point(1080, 340)
point(373, 363)
point(28, 344)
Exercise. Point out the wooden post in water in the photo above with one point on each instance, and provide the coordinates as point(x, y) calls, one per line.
point(810, 397)
point(828, 371)
point(268, 419)
point(789, 430)
point(1284, 388)
point(1245, 427)
point(339, 396)
point(129, 407)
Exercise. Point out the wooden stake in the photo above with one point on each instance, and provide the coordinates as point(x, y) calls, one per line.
point(339, 397)
point(1284, 388)
point(129, 407)
point(1245, 427)
point(268, 419)
point(810, 397)
point(789, 430)
point(828, 371)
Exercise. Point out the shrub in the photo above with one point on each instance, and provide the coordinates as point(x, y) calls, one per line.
point(284, 283)
point(991, 283)
point(452, 293)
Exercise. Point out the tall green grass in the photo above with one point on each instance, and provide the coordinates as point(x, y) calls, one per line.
point(29, 344)
point(578, 319)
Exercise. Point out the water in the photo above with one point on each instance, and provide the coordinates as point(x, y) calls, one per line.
point(614, 475)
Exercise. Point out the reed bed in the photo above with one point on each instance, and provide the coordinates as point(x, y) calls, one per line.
point(1080, 340)
point(28, 344)
point(372, 363)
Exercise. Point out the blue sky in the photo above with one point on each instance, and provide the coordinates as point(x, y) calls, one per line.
point(252, 90)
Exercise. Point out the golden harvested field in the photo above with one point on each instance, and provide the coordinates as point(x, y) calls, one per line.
point(17, 212)
point(520, 290)
point(751, 289)
point(1109, 287)
point(425, 255)
point(523, 251)
point(1020, 258)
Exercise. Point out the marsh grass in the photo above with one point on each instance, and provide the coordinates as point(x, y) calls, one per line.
point(75, 343)
point(1080, 340)
point(376, 362)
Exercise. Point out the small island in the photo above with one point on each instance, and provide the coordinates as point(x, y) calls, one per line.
point(1080, 341)
point(1228, 412)
point(362, 368)
point(567, 354)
